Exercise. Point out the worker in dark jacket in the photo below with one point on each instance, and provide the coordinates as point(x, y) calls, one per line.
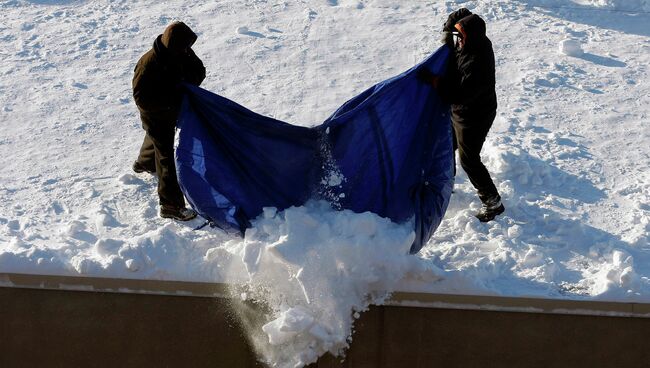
point(157, 90)
point(469, 85)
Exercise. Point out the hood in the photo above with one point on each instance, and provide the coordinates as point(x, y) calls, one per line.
point(472, 27)
point(454, 17)
point(177, 37)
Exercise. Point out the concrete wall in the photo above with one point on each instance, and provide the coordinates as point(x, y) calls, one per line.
point(49, 328)
point(59, 328)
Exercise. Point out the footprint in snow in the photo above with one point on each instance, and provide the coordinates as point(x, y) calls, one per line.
point(246, 32)
point(27, 27)
point(57, 208)
point(273, 30)
point(130, 179)
point(13, 225)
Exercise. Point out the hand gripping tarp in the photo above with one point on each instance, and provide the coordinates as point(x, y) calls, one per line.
point(388, 151)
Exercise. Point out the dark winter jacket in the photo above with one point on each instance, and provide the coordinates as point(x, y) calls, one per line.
point(159, 73)
point(470, 84)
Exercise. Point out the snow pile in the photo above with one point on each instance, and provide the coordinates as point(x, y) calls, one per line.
point(314, 269)
point(539, 240)
point(618, 278)
point(571, 47)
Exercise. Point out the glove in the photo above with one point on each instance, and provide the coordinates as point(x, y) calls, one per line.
point(427, 77)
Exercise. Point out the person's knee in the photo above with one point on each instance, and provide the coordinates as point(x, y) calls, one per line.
point(471, 163)
point(468, 157)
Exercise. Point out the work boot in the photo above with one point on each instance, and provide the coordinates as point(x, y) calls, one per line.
point(180, 214)
point(140, 168)
point(491, 208)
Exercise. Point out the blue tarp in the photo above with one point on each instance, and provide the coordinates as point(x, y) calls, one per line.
point(388, 151)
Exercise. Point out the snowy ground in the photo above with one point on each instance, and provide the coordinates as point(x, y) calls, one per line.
point(569, 151)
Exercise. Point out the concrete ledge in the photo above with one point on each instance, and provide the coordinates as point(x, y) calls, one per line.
point(402, 299)
point(43, 323)
point(517, 304)
point(112, 285)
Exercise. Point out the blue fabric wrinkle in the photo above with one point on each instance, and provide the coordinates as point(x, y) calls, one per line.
point(391, 144)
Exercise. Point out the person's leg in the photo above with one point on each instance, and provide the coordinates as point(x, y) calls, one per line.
point(470, 141)
point(147, 158)
point(169, 192)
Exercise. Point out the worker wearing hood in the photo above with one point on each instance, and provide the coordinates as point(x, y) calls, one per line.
point(157, 91)
point(469, 86)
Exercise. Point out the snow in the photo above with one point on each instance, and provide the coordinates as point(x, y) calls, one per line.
point(568, 152)
point(314, 268)
point(571, 47)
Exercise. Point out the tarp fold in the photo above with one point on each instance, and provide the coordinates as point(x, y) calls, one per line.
point(388, 151)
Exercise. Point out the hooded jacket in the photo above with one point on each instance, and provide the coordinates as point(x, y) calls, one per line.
point(454, 17)
point(470, 86)
point(159, 73)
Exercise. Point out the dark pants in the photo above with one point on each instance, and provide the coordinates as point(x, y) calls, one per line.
point(157, 152)
point(469, 139)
